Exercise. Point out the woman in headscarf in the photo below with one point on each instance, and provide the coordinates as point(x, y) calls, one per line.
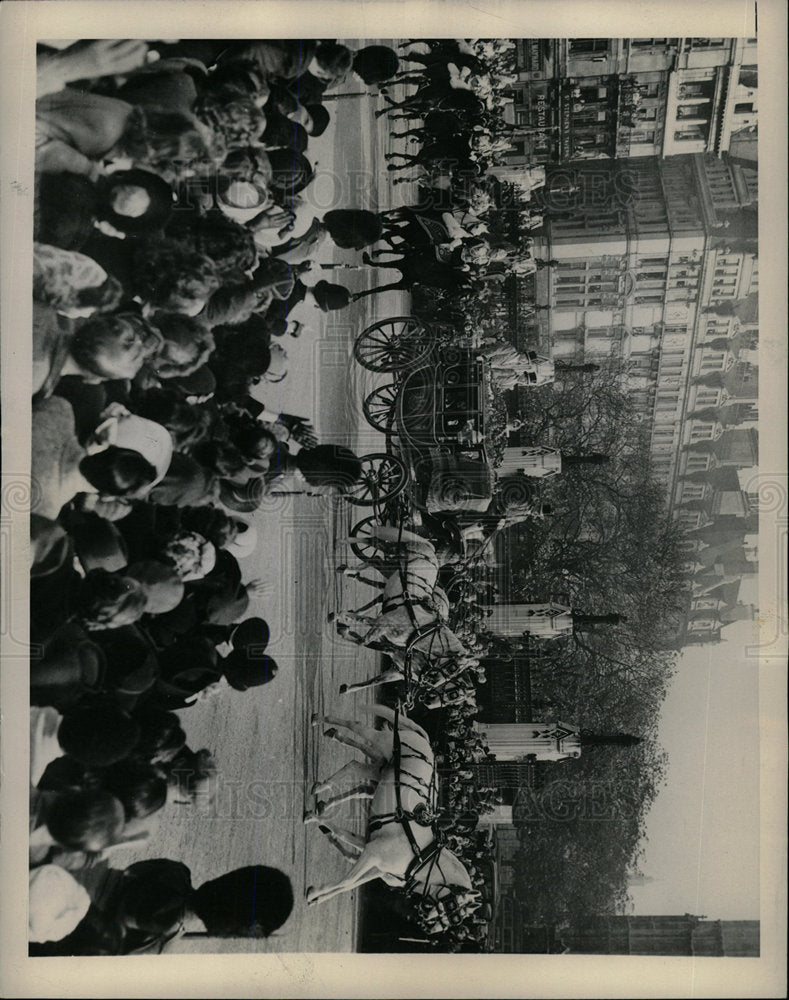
point(72, 283)
point(76, 130)
point(62, 468)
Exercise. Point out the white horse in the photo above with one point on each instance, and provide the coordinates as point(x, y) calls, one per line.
point(387, 852)
point(436, 681)
point(410, 597)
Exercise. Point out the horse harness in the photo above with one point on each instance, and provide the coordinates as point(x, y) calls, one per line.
point(422, 857)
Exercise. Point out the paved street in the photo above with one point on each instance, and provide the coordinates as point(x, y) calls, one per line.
point(268, 752)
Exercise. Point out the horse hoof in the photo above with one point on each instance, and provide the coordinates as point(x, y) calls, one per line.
point(316, 718)
point(341, 568)
point(343, 688)
point(330, 734)
point(331, 616)
point(308, 817)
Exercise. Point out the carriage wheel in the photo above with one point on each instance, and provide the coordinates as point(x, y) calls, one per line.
point(383, 477)
point(378, 408)
point(393, 344)
point(364, 548)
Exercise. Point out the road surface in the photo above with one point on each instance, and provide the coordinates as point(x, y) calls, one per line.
point(267, 751)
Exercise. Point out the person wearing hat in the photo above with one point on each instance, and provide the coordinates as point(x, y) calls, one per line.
point(375, 63)
point(72, 283)
point(97, 732)
point(186, 344)
point(132, 666)
point(71, 665)
point(56, 904)
point(190, 555)
point(102, 348)
point(164, 588)
point(193, 669)
point(85, 821)
point(104, 600)
point(50, 547)
point(124, 430)
point(306, 302)
point(97, 543)
point(63, 468)
point(154, 901)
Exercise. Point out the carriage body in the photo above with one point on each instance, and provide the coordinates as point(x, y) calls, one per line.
point(440, 421)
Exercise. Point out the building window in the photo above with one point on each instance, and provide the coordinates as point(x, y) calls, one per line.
point(696, 88)
point(708, 43)
point(647, 43)
point(698, 463)
point(743, 109)
point(580, 46)
point(697, 134)
point(690, 111)
point(702, 432)
point(649, 89)
point(640, 137)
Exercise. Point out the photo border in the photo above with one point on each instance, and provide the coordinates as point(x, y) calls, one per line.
point(309, 975)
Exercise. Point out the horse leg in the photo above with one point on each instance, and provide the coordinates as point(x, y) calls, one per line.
point(390, 676)
point(359, 774)
point(349, 844)
point(349, 619)
point(373, 743)
point(386, 264)
point(365, 791)
point(373, 603)
point(394, 286)
point(365, 870)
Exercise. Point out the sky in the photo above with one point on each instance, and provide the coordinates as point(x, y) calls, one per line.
point(702, 849)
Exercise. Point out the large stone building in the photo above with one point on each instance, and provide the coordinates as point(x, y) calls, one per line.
point(606, 98)
point(655, 262)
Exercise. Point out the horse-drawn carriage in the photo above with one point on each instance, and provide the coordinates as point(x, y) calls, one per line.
point(434, 413)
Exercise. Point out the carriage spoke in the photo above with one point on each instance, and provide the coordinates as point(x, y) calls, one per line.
point(392, 344)
point(378, 407)
point(383, 477)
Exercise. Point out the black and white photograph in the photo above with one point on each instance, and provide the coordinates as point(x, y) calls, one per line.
point(402, 570)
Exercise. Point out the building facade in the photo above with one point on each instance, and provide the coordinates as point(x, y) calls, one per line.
point(607, 98)
point(654, 263)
